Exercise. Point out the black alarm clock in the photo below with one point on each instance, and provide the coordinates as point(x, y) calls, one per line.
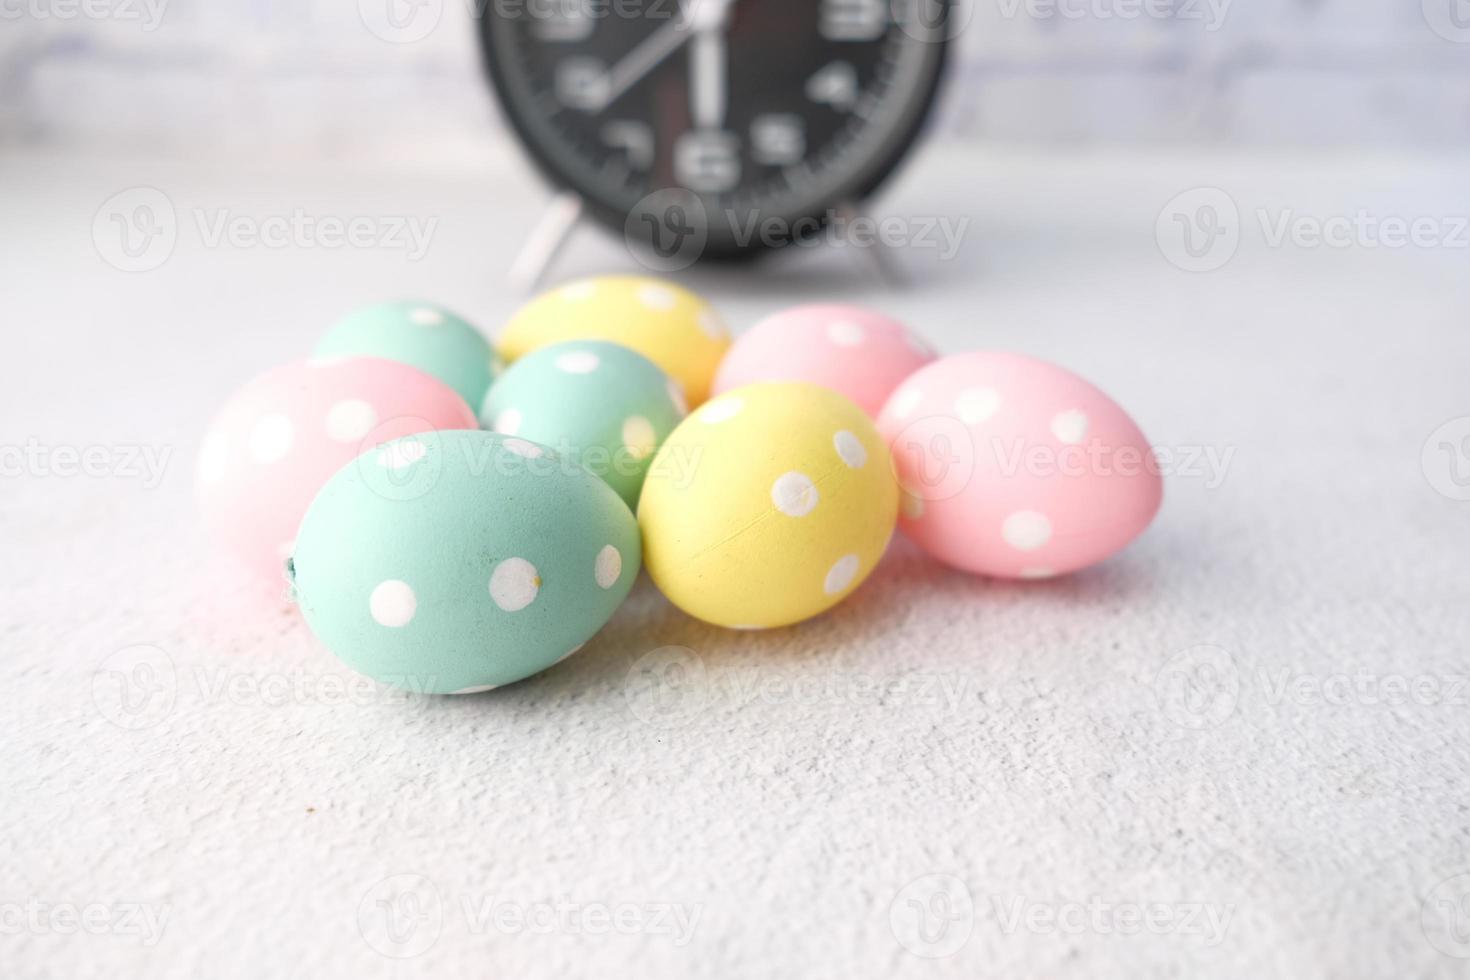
point(768, 115)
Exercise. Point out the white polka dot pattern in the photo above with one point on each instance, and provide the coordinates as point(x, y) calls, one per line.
point(514, 584)
point(657, 298)
point(1070, 427)
point(676, 395)
point(976, 405)
point(522, 448)
point(841, 576)
point(350, 420)
point(639, 438)
point(393, 604)
point(401, 455)
point(578, 362)
point(721, 410)
point(851, 449)
point(508, 422)
point(1026, 530)
point(794, 494)
point(609, 567)
point(906, 401)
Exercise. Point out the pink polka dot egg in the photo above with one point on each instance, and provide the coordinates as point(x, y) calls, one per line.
point(280, 438)
point(1016, 468)
point(854, 351)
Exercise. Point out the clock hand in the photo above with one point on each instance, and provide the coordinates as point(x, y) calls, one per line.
point(707, 15)
point(708, 74)
point(657, 48)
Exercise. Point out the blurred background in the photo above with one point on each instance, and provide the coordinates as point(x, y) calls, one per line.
point(1085, 149)
point(404, 77)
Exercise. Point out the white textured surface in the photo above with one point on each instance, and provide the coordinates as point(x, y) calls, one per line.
point(1023, 742)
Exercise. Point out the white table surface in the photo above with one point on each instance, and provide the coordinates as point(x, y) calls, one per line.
point(769, 819)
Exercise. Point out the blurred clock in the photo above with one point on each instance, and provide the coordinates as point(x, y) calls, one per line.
point(771, 113)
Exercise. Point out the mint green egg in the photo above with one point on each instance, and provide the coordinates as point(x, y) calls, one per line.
point(605, 405)
point(455, 562)
point(421, 335)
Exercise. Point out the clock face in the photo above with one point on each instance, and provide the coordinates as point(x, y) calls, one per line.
point(767, 112)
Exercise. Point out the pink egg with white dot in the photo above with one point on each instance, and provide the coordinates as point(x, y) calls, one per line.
point(280, 438)
point(1016, 468)
point(854, 351)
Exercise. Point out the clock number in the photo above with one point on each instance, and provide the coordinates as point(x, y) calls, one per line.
point(582, 83)
point(854, 20)
point(835, 85)
point(778, 139)
point(633, 138)
point(707, 161)
point(562, 21)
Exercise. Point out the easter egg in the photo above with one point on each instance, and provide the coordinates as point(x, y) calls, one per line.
point(421, 335)
point(455, 562)
point(1016, 468)
point(282, 436)
point(852, 350)
point(606, 406)
point(768, 506)
point(670, 326)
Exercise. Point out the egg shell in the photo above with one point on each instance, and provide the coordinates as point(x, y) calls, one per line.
point(1016, 468)
point(672, 327)
point(453, 562)
point(422, 335)
point(279, 438)
point(606, 406)
point(768, 506)
point(858, 352)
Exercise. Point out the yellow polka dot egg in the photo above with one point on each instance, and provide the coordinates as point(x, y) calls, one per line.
point(672, 327)
point(768, 506)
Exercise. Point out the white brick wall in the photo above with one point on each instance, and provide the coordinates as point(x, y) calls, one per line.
point(230, 75)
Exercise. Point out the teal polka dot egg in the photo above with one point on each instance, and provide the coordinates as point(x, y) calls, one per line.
point(421, 335)
point(457, 562)
point(604, 404)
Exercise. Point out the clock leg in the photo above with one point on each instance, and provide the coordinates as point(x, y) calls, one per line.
point(545, 243)
point(877, 260)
